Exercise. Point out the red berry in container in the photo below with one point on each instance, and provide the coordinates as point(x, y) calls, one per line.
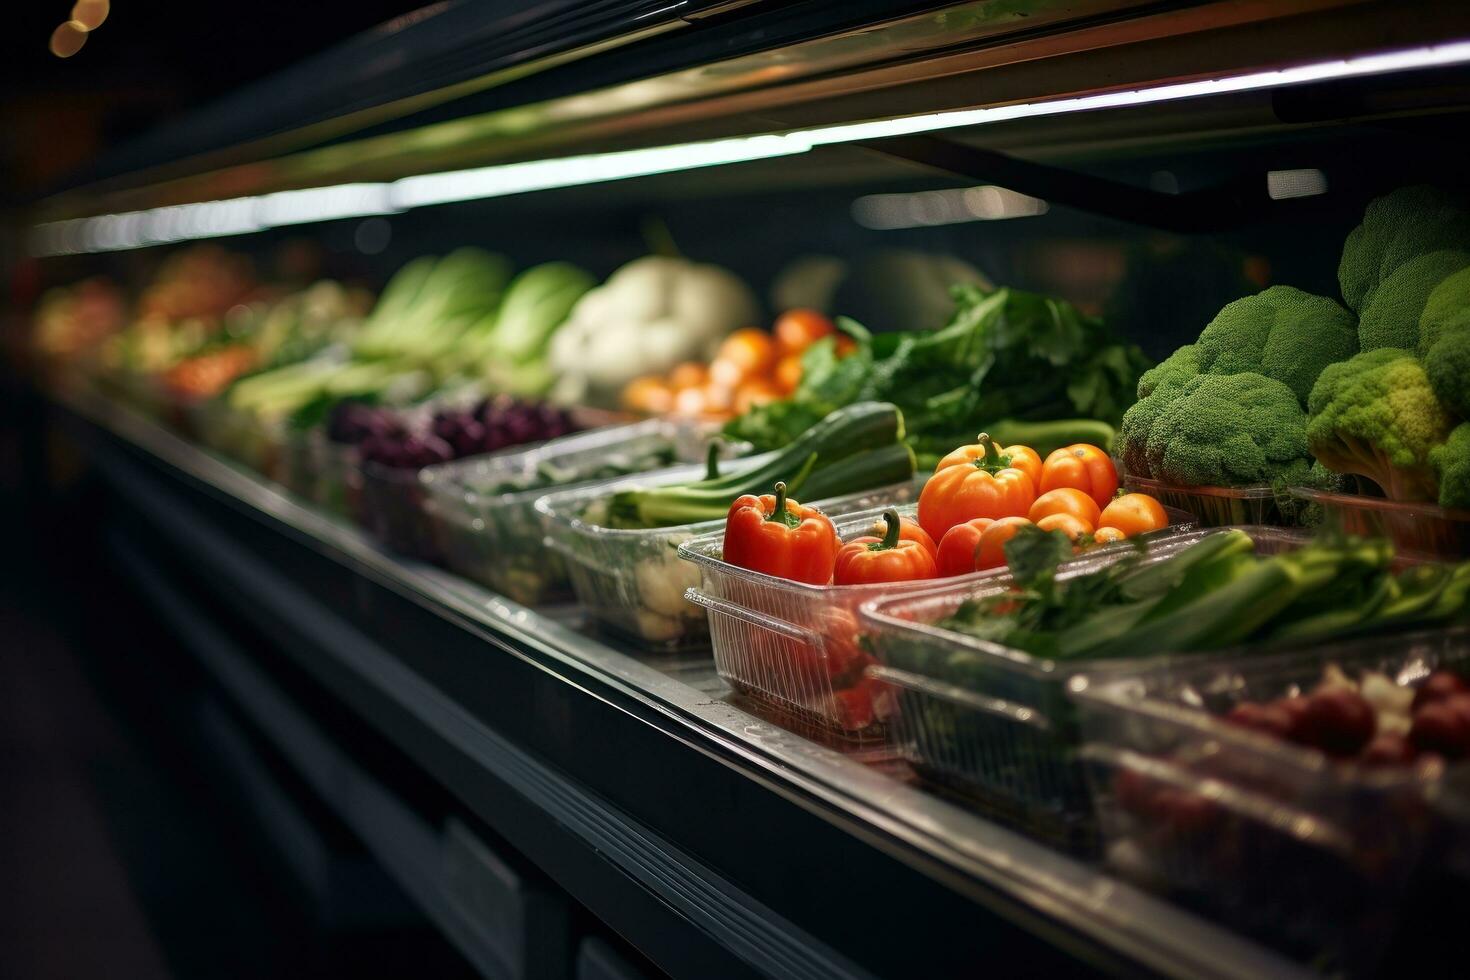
point(1388, 749)
point(1437, 686)
point(1440, 729)
point(1337, 721)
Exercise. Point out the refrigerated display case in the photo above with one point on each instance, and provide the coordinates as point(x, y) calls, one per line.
point(1144, 163)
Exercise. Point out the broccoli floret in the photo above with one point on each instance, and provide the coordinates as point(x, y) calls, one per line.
point(1397, 227)
point(1281, 332)
point(1229, 430)
point(1444, 342)
point(1451, 463)
point(1376, 416)
point(1391, 313)
point(1157, 387)
point(1171, 372)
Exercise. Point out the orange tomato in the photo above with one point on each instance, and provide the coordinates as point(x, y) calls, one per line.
point(1108, 535)
point(991, 551)
point(1065, 500)
point(907, 531)
point(1022, 458)
point(796, 330)
point(1071, 525)
point(746, 353)
point(753, 392)
point(956, 554)
point(690, 374)
point(649, 395)
point(788, 373)
point(691, 402)
point(1082, 467)
point(973, 481)
point(1133, 513)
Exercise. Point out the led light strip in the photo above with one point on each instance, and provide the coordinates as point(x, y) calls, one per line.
point(247, 214)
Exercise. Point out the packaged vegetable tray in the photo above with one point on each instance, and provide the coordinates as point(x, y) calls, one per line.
point(795, 646)
point(994, 723)
point(484, 508)
point(1424, 529)
point(1310, 853)
point(1218, 506)
point(633, 580)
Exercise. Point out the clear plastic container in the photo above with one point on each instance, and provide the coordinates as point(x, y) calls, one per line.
point(995, 723)
point(491, 533)
point(1308, 853)
point(1422, 529)
point(1219, 506)
point(794, 646)
point(634, 581)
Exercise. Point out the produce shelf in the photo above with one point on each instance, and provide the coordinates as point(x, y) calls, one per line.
point(716, 841)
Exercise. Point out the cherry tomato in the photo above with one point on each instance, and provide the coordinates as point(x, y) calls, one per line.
point(1134, 513)
point(796, 330)
point(753, 392)
point(956, 554)
point(746, 353)
point(1065, 500)
point(788, 373)
point(1083, 467)
point(1108, 535)
point(690, 374)
point(1071, 525)
point(991, 552)
point(649, 395)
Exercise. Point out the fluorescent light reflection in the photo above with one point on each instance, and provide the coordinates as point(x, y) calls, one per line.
point(241, 215)
point(1283, 184)
point(885, 212)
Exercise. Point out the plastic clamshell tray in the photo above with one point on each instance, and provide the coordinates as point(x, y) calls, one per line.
point(1308, 853)
point(633, 580)
point(995, 724)
point(793, 646)
point(1217, 506)
point(495, 538)
point(1423, 529)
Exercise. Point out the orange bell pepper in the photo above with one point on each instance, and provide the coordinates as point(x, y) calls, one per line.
point(975, 481)
point(778, 536)
point(1082, 467)
point(868, 560)
point(991, 551)
point(1022, 458)
point(956, 554)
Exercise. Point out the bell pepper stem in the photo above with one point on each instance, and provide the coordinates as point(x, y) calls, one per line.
point(779, 513)
point(890, 536)
point(992, 461)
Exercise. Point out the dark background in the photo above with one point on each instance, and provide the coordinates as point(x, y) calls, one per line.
point(147, 62)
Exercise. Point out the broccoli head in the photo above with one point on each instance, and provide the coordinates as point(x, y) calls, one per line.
point(1229, 430)
point(1444, 342)
point(1397, 227)
point(1171, 372)
point(1376, 416)
point(1451, 463)
point(1280, 332)
point(1392, 311)
point(1157, 387)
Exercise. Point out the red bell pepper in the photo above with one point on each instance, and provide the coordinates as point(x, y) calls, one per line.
point(780, 537)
